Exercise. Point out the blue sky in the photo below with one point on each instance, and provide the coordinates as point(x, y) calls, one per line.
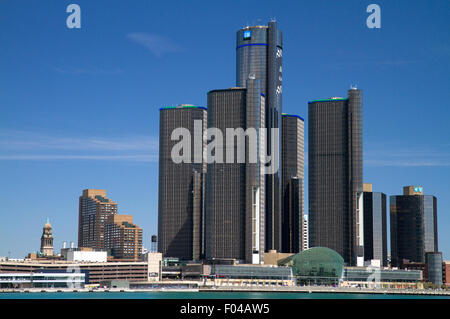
point(79, 107)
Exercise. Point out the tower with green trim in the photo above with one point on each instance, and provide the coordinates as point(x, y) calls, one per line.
point(180, 182)
point(336, 175)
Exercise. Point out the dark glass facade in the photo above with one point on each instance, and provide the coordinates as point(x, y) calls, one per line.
point(180, 196)
point(434, 267)
point(259, 53)
point(234, 216)
point(292, 174)
point(413, 228)
point(335, 175)
point(375, 229)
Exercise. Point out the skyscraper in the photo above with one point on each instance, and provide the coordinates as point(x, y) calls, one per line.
point(413, 225)
point(180, 197)
point(234, 218)
point(47, 240)
point(335, 175)
point(259, 51)
point(292, 177)
point(123, 239)
point(94, 210)
point(375, 229)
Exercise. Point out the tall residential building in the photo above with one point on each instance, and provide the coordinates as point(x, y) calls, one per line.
point(123, 239)
point(305, 233)
point(375, 229)
point(94, 209)
point(181, 179)
point(413, 225)
point(259, 51)
point(47, 240)
point(292, 180)
point(234, 216)
point(335, 175)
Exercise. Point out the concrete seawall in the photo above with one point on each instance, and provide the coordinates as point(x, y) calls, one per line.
point(303, 289)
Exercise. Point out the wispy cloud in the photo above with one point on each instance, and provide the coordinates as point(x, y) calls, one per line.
point(411, 157)
point(26, 145)
point(86, 71)
point(155, 43)
point(137, 158)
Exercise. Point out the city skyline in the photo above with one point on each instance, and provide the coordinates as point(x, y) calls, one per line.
point(44, 153)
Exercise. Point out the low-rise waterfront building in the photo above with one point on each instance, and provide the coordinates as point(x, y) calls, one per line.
point(251, 275)
point(373, 277)
point(95, 271)
point(273, 257)
point(42, 280)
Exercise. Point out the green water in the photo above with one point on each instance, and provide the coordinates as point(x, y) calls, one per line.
point(206, 295)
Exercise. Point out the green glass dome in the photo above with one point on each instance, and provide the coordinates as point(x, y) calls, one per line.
point(316, 262)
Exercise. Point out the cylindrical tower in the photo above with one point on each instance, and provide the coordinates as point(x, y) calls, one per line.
point(259, 54)
point(179, 220)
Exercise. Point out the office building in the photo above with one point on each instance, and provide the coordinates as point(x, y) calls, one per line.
point(47, 241)
point(446, 273)
point(94, 210)
point(292, 180)
point(234, 216)
point(259, 53)
point(413, 225)
point(180, 197)
point(335, 175)
point(123, 239)
point(375, 229)
point(434, 268)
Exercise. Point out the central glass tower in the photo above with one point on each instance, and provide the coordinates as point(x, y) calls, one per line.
point(259, 55)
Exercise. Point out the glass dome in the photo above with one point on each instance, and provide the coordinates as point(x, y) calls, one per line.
point(316, 265)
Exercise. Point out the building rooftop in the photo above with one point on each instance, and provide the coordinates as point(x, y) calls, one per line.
point(293, 115)
point(331, 99)
point(182, 106)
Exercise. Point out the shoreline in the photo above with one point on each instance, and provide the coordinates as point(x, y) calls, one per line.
point(308, 290)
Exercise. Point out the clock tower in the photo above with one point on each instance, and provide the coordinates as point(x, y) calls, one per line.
point(47, 240)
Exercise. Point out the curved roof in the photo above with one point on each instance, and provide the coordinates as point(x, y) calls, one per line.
point(316, 261)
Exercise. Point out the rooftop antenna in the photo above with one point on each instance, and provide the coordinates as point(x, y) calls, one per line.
point(353, 87)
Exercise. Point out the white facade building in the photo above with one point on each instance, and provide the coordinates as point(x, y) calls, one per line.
point(87, 256)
